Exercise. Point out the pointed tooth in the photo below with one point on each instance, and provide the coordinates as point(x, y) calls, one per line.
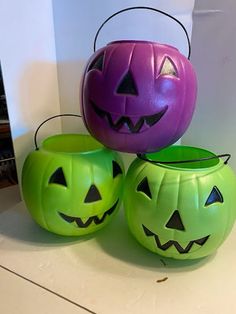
point(67, 218)
point(123, 128)
point(83, 220)
point(202, 240)
point(137, 127)
point(83, 223)
point(147, 231)
point(144, 127)
point(101, 113)
point(100, 216)
point(153, 119)
point(115, 117)
point(112, 209)
point(134, 120)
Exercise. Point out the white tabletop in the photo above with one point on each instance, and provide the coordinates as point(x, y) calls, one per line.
point(105, 273)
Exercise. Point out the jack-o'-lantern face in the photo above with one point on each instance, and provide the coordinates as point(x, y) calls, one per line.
point(180, 213)
point(72, 194)
point(138, 96)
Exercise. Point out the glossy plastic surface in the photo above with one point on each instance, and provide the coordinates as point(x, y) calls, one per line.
point(72, 185)
point(138, 96)
point(182, 212)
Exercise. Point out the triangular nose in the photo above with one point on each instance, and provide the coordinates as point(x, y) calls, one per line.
point(175, 222)
point(127, 85)
point(93, 195)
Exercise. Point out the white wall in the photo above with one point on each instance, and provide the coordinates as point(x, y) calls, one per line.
point(28, 55)
point(77, 21)
point(213, 55)
point(28, 62)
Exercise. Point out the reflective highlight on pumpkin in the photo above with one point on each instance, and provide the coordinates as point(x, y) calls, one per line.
point(72, 185)
point(185, 210)
point(132, 90)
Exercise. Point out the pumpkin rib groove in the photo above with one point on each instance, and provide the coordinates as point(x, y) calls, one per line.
point(27, 169)
point(161, 184)
point(107, 59)
point(195, 178)
point(228, 221)
point(189, 189)
point(143, 60)
point(141, 174)
point(183, 70)
point(226, 229)
point(82, 166)
point(177, 182)
point(92, 182)
point(129, 66)
point(131, 56)
point(41, 201)
point(154, 65)
point(177, 124)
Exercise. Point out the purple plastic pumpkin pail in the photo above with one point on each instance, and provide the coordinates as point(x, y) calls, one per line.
point(138, 96)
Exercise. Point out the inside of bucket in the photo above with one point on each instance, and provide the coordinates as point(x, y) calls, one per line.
point(182, 153)
point(71, 143)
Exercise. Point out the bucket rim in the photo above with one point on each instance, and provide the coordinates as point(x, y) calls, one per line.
point(51, 143)
point(201, 165)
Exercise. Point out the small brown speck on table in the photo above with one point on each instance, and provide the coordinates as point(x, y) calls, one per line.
point(162, 280)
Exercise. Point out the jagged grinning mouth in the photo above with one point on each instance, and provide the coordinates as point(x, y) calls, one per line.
point(91, 219)
point(169, 243)
point(133, 128)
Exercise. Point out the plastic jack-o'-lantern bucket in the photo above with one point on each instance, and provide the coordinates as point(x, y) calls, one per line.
point(72, 184)
point(138, 96)
point(180, 202)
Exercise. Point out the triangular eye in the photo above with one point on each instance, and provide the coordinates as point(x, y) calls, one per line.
point(214, 197)
point(168, 68)
point(144, 187)
point(97, 63)
point(116, 169)
point(58, 177)
point(93, 195)
point(127, 85)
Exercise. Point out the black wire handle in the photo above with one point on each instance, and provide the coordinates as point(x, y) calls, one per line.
point(143, 8)
point(143, 157)
point(53, 117)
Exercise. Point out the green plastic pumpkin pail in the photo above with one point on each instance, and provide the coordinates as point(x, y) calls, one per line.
point(72, 184)
point(180, 202)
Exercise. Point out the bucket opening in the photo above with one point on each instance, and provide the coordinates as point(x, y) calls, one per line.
point(71, 143)
point(181, 153)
